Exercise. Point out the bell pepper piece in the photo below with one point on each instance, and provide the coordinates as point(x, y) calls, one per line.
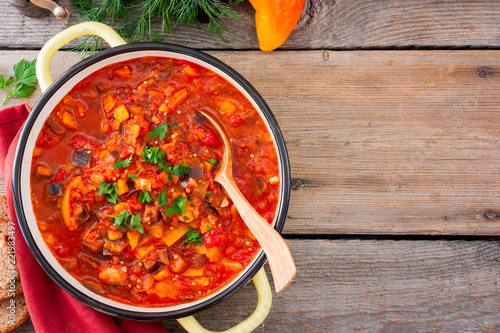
point(275, 20)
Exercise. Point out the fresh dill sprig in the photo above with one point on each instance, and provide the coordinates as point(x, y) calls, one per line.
point(151, 20)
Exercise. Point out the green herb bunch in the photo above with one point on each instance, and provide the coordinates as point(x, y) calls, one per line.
point(24, 83)
point(152, 20)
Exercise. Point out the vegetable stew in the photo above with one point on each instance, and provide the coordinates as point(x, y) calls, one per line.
point(122, 182)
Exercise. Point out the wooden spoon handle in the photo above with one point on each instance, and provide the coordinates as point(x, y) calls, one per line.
point(278, 254)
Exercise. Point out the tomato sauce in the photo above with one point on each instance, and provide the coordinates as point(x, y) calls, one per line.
point(122, 182)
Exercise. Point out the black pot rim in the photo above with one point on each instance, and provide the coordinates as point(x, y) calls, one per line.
point(20, 149)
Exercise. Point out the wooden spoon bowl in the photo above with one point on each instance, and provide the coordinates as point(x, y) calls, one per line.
point(278, 254)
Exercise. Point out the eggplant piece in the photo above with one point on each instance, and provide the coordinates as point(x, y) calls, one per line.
point(80, 158)
point(115, 154)
point(196, 172)
point(151, 265)
point(94, 286)
point(164, 257)
point(93, 240)
point(55, 189)
point(81, 212)
point(115, 246)
point(88, 260)
point(178, 263)
point(199, 118)
point(151, 213)
point(197, 259)
point(55, 127)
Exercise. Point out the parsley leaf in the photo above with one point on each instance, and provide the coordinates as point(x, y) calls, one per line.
point(181, 169)
point(135, 223)
point(193, 236)
point(125, 163)
point(145, 197)
point(121, 220)
point(162, 199)
point(177, 207)
point(208, 192)
point(25, 74)
point(208, 228)
point(133, 177)
point(153, 154)
point(213, 161)
point(111, 190)
point(157, 156)
point(158, 132)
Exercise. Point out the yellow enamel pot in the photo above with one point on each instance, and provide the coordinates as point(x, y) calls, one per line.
point(54, 92)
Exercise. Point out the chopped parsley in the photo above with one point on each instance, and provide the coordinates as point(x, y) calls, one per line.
point(208, 228)
point(125, 163)
point(181, 169)
point(145, 197)
point(162, 199)
point(213, 161)
point(158, 132)
point(111, 190)
point(133, 177)
point(208, 192)
point(153, 154)
point(135, 223)
point(177, 207)
point(156, 156)
point(122, 219)
point(193, 236)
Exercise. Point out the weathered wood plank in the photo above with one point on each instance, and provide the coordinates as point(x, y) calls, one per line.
point(386, 142)
point(377, 286)
point(324, 24)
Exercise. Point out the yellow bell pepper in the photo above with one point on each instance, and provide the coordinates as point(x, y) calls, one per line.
point(275, 20)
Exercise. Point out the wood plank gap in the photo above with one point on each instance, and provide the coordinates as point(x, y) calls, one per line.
point(382, 237)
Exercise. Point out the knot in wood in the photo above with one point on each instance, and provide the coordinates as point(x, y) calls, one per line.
point(484, 72)
point(297, 184)
point(491, 214)
point(326, 55)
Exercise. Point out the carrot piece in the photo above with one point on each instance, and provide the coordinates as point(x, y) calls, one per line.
point(166, 288)
point(191, 71)
point(108, 103)
point(122, 186)
point(178, 97)
point(162, 275)
point(194, 272)
point(133, 238)
point(43, 171)
point(143, 251)
point(122, 72)
point(213, 254)
point(114, 235)
point(121, 114)
point(173, 235)
point(37, 152)
point(232, 266)
point(68, 120)
point(81, 109)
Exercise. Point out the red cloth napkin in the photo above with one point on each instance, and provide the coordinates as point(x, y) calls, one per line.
point(52, 310)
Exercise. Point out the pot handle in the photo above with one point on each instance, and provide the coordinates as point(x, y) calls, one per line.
point(63, 38)
point(248, 325)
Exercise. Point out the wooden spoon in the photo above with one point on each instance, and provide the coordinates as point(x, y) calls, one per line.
point(277, 251)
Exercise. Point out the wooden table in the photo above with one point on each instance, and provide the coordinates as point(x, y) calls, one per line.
point(391, 115)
